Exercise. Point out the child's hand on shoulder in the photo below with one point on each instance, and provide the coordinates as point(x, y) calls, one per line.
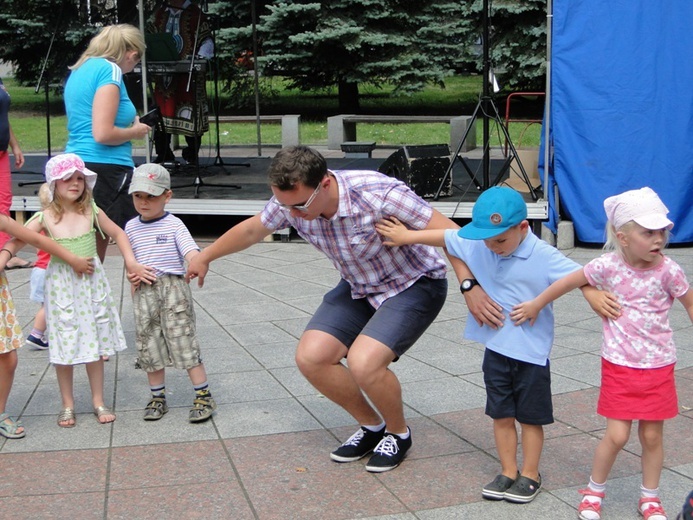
point(526, 311)
point(392, 230)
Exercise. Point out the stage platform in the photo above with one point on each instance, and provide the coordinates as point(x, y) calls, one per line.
point(235, 183)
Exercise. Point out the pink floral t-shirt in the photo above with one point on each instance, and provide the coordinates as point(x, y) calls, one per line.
point(641, 337)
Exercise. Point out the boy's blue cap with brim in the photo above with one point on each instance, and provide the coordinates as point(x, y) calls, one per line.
point(497, 209)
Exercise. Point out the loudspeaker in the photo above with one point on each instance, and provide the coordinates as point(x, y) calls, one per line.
point(421, 167)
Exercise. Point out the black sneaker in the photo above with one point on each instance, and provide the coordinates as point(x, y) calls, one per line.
point(35, 342)
point(389, 453)
point(523, 490)
point(495, 490)
point(358, 445)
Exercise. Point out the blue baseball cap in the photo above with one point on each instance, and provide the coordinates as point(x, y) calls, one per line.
point(496, 210)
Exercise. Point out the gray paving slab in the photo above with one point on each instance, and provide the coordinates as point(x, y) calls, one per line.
point(250, 314)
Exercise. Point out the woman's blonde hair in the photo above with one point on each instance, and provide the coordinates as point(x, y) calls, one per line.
point(113, 42)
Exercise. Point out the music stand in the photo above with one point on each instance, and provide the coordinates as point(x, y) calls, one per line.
point(488, 109)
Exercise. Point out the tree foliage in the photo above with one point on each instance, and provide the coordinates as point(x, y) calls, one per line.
point(351, 42)
point(344, 43)
point(517, 41)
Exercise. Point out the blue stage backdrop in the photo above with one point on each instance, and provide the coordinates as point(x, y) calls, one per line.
point(622, 107)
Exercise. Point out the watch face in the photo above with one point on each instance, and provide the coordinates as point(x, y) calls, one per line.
point(466, 284)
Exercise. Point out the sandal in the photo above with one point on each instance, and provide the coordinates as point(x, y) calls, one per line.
point(9, 427)
point(654, 509)
point(100, 411)
point(587, 505)
point(155, 409)
point(66, 415)
point(203, 408)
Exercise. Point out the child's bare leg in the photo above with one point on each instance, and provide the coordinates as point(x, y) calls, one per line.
point(651, 435)
point(198, 374)
point(157, 378)
point(40, 319)
point(8, 365)
point(505, 434)
point(615, 438)
point(65, 375)
point(96, 378)
point(532, 444)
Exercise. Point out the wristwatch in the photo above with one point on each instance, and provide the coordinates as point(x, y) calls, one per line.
point(468, 284)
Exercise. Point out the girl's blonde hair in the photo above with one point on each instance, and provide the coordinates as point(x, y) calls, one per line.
point(44, 195)
point(83, 203)
point(112, 43)
point(613, 243)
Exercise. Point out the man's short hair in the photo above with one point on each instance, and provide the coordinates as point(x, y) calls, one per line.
point(296, 164)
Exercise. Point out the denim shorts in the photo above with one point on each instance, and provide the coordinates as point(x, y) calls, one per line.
point(397, 323)
point(517, 389)
point(38, 280)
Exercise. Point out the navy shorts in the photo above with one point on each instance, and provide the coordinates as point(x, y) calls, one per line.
point(397, 323)
point(517, 389)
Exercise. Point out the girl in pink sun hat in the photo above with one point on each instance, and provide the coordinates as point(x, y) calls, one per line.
point(83, 322)
point(638, 351)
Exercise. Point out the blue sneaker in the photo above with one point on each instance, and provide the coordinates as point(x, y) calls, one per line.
point(35, 342)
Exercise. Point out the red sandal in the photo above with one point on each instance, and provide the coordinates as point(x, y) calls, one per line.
point(655, 508)
point(588, 505)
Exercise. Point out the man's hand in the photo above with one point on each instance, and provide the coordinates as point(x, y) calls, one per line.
point(197, 268)
point(484, 310)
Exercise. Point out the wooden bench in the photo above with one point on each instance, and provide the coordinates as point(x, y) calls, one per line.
point(291, 125)
point(342, 128)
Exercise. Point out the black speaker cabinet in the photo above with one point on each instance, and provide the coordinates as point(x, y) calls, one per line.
point(422, 168)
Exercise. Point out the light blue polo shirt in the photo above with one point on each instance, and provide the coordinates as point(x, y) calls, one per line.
point(511, 280)
point(79, 94)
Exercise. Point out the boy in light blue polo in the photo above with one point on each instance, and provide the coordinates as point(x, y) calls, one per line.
point(511, 264)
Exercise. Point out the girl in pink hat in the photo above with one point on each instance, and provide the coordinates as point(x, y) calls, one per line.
point(83, 322)
point(638, 351)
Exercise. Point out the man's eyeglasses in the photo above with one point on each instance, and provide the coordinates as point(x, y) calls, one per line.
point(300, 207)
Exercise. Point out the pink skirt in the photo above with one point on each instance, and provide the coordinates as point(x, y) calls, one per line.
point(631, 394)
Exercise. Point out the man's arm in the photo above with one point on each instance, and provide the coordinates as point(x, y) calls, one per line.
point(482, 308)
point(239, 237)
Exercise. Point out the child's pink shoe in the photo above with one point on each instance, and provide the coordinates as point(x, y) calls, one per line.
point(590, 509)
point(654, 511)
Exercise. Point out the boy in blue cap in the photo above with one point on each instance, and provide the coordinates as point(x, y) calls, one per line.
point(511, 264)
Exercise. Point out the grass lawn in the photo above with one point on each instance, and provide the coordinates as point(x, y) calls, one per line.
point(460, 95)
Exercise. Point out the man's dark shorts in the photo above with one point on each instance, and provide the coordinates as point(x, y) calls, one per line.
point(517, 389)
point(397, 323)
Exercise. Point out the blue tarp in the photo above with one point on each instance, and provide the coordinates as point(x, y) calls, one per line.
point(622, 107)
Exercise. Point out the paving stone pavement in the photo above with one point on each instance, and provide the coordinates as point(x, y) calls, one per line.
point(265, 454)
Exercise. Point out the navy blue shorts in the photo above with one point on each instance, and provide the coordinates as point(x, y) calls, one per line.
point(397, 323)
point(517, 389)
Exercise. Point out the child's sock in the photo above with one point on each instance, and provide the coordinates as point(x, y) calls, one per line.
point(590, 505)
point(158, 391)
point(37, 333)
point(655, 505)
point(202, 390)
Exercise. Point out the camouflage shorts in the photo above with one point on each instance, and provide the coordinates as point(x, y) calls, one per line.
point(165, 325)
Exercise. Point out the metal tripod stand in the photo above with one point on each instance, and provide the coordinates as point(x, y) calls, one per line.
point(488, 110)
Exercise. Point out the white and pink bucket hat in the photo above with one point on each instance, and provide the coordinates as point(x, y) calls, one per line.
point(63, 166)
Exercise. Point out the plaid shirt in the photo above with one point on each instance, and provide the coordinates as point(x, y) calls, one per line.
point(349, 238)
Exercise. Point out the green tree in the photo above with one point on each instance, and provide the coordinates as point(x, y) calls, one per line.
point(346, 43)
point(517, 41)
